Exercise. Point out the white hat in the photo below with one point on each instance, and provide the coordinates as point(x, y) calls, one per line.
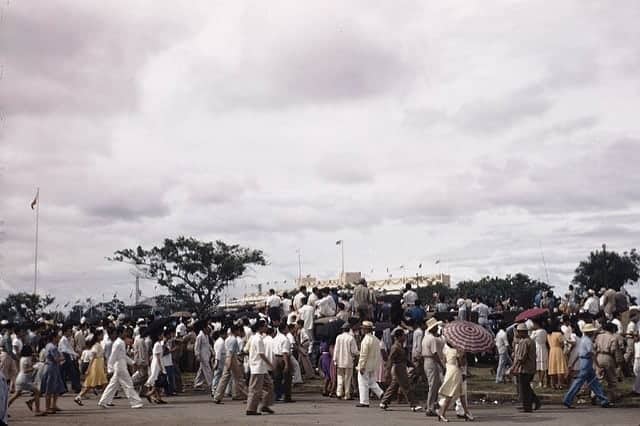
point(83, 320)
point(589, 328)
point(460, 302)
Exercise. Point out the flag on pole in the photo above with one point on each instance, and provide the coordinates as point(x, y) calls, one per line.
point(338, 242)
point(35, 199)
point(437, 261)
point(420, 266)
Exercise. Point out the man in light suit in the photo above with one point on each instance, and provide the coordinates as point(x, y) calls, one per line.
point(202, 351)
point(117, 364)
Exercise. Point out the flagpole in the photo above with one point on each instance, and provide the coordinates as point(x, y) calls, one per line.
point(342, 275)
point(35, 266)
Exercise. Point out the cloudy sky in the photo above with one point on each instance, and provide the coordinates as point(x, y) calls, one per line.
point(482, 134)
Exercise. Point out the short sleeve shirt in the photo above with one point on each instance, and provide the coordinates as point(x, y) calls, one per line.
point(256, 348)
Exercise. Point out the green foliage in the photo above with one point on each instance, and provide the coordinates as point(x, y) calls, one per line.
point(605, 268)
point(194, 272)
point(425, 294)
point(520, 288)
point(24, 306)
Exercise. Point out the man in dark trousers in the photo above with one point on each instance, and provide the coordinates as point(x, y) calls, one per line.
point(524, 364)
point(397, 364)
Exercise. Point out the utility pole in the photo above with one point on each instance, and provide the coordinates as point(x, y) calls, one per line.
point(137, 289)
point(299, 268)
point(36, 204)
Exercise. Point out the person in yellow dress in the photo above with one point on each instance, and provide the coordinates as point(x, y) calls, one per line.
point(96, 373)
point(452, 385)
point(557, 361)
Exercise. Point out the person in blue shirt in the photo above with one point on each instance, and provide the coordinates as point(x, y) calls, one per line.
point(417, 313)
point(586, 374)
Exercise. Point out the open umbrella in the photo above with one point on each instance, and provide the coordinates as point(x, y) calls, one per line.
point(468, 336)
point(532, 313)
point(181, 314)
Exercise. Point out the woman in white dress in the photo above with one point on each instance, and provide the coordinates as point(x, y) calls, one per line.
point(539, 335)
point(156, 372)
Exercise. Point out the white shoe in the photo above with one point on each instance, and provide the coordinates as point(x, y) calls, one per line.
point(137, 406)
point(416, 408)
point(104, 406)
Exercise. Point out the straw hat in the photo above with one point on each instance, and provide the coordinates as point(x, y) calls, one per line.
point(367, 324)
point(432, 322)
point(522, 327)
point(589, 328)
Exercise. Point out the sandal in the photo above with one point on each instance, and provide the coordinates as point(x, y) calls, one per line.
point(78, 401)
point(29, 404)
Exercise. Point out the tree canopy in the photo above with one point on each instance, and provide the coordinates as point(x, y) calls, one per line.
point(195, 272)
point(25, 306)
point(520, 288)
point(606, 268)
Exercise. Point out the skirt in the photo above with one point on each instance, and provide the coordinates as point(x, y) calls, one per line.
point(51, 382)
point(96, 375)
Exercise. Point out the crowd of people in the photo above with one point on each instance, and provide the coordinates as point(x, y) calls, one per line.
point(359, 344)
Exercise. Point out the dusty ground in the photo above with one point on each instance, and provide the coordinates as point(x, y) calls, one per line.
point(197, 409)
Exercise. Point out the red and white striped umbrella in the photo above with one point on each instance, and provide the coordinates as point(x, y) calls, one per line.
point(468, 336)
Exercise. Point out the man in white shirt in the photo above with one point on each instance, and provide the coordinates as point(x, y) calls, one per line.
point(433, 357)
point(313, 297)
point(232, 368)
point(345, 350)
point(483, 312)
point(326, 307)
point(220, 355)
point(297, 300)
point(70, 371)
point(592, 304)
point(117, 364)
point(260, 383)
point(305, 314)
point(504, 360)
point(282, 372)
point(304, 350)
point(409, 297)
point(286, 304)
point(140, 358)
point(274, 306)
point(202, 352)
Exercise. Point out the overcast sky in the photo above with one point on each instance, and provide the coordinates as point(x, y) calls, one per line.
point(483, 134)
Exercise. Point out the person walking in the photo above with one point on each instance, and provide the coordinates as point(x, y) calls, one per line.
point(25, 382)
point(96, 374)
point(368, 365)
point(586, 374)
point(157, 373)
point(345, 350)
point(51, 384)
point(260, 383)
point(397, 365)
point(69, 367)
point(605, 346)
point(219, 358)
point(453, 383)
point(504, 360)
point(283, 368)
point(232, 368)
point(524, 365)
point(432, 355)
point(118, 364)
point(202, 351)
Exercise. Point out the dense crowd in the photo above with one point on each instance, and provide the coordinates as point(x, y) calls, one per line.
point(358, 343)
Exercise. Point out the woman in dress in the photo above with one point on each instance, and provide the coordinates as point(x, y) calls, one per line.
point(157, 374)
point(452, 385)
point(557, 360)
point(96, 374)
point(25, 382)
point(539, 335)
point(51, 384)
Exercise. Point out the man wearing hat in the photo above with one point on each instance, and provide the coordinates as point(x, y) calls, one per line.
point(368, 364)
point(586, 373)
point(432, 354)
point(524, 364)
point(345, 350)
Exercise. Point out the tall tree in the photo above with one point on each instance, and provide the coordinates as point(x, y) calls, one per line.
point(194, 272)
point(520, 288)
point(25, 306)
point(606, 268)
